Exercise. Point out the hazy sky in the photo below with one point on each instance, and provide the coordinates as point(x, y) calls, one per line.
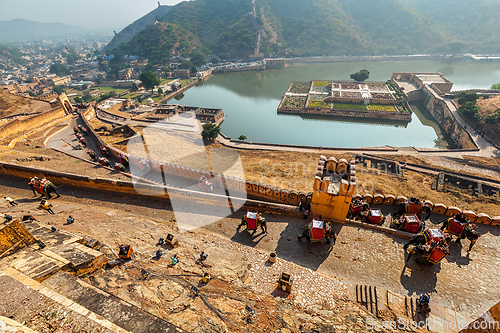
point(92, 14)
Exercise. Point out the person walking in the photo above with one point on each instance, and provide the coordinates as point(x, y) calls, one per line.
point(10, 201)
point(47, 206)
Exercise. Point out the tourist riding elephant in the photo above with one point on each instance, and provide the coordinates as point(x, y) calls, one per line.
point(252, 221)
point(426, 236)
point(123, 160)
point(461, 227)
point(43, 186)
point(412, 206)
point(104, 161)
point(92, 155)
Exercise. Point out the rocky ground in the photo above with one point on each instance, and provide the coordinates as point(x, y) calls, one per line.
point(242, 276)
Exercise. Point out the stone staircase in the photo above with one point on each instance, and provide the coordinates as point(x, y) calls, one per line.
point(28, 302)
point(43, 289)
point(61, 251)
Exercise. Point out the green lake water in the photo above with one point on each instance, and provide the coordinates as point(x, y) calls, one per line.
point(250, 99)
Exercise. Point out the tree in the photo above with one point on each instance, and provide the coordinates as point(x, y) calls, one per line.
point(198, 58)
point(149, 80)
point(466, 96)
point(456, 47)
point(194, 69)
point(215, 60)
point(84, 87)
point(58, 89)
point(210, 131)
point(32, 94)
point(491, 119)
point(186, 64)
point(78, 100)
point(59, 69)
point(242, 137)
point(495, 86)
point(361, 75)
point(160, 91)
point(87, 98)
point(166, 70)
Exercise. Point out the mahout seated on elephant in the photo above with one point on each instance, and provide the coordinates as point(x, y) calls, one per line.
point(252, 220)
point(462, 228)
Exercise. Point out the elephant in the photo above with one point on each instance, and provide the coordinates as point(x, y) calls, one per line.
point(259, 222)
point(92, 155)
point(104, 161)
point(412, 207)
point(123, 160)
point(119, 167)
point(461, 227)
point(43, 186)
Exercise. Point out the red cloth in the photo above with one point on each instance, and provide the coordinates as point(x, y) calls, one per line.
point(413, 209)
point(316, 230)
point(455, 227)
point(412, 223)
point(436, 255)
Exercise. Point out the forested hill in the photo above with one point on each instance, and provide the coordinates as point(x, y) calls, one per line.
point(132, 29)
point(317, 27)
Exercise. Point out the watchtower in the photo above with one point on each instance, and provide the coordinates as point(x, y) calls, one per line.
point(333, 188)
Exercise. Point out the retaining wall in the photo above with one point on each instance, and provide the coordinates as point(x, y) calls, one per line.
point(28, 124)
point(443, 115)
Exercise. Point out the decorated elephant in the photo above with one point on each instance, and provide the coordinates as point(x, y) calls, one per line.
point(432, 252)
point(316, 231)
point(461, 227)
point(119, 167)
point(253, 220)
point(104, 161)
point(123, 160)
point(205, 185)
point(43, 186)
point(412, 207)
point(92, 154)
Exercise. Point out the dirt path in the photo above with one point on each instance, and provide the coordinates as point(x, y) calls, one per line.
point(467, 283)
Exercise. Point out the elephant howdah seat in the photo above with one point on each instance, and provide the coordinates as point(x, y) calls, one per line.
point(456, 227)
point(437, 254)
point(375, 216)
point(251, 220)
point(316, 230)
point(433, 234)
point(411, 223)
point(413, 208)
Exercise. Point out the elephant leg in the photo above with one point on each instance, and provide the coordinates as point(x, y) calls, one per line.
point(472, 242)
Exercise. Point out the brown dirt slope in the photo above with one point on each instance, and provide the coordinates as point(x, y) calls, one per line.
point(488, 106)
point(12, 104)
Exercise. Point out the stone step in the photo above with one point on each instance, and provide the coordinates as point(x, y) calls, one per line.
point(114, 309)
point(30, 302)
point(62, 251)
